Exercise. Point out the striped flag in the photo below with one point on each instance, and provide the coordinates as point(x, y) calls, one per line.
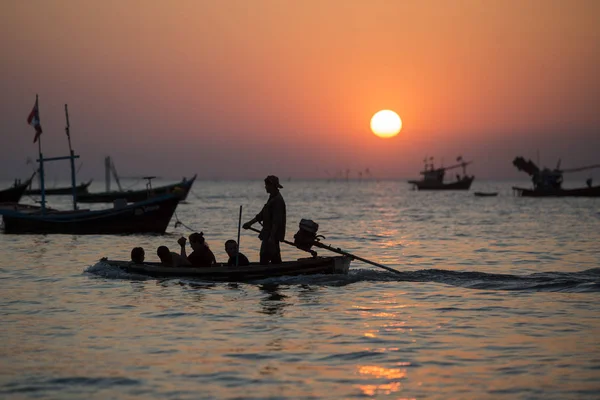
point(34, 120)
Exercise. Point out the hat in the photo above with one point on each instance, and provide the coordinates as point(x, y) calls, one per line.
point(273, 180)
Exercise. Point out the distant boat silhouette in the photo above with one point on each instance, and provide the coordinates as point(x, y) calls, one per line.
point(130, 196)
point(14, 193)
point(82, 188)
point(548, 183)
point(433, 178)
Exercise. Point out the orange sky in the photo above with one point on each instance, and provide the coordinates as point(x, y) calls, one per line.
point(241, 89)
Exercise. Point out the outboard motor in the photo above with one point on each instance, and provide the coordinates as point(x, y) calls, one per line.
point(307, 234)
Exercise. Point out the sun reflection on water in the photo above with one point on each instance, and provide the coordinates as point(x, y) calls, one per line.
point(377, 372)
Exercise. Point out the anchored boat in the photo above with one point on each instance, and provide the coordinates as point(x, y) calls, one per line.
point(433, 178)
point(183, 187)
point(548, 183)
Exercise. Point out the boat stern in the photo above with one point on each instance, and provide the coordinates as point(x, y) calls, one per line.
point(342, 265)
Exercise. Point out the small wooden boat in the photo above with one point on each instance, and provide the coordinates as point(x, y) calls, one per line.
point(183, 188)
point(302, 266)
point(13, 194)
point(486, 194)
point(81, 189)
point(433, 178)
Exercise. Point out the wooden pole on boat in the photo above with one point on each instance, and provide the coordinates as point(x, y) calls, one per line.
point(237, 255)
point(42, 186)
point(41, 160)
point(72, 158)
point(107, 173)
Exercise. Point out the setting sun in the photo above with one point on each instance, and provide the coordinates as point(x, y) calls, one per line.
point(386, 124)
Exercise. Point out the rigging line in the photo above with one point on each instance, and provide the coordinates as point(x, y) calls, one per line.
point(178, 222)
point(194, 194)
point(132, 185)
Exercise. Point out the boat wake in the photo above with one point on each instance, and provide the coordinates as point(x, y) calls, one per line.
point(572, 282)
point(104, 270)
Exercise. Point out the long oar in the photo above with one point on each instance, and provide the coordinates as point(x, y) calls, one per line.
point(312, 252)
point(339, 251)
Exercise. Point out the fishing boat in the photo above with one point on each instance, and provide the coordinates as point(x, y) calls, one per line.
point(304, 240)
point(80, 189)
point(130, 196)
point(148, 216)
point(548, 182)
point(433, 178)
point(14, 193)
point(302, 266)
point(108, 196)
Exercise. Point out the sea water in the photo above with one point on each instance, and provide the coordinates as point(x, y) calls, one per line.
point(497, 297)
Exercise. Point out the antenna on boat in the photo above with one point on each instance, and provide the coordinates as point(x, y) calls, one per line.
point(149, 185)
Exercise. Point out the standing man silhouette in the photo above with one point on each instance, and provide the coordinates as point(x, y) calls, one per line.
point(272, 217)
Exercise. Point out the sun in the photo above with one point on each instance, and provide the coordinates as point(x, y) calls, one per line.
point(386, 124)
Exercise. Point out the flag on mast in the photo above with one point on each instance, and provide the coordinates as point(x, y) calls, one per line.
point(34, 120)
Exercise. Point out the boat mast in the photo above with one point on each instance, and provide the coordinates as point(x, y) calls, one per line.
point(107, 172)
point(72, 158)
point(115, 175)
point(41, 161)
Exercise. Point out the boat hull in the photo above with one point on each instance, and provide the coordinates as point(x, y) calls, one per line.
point(132, 196)
point(303, 266)
point(593, 191)
point(151, 216)
point(61, 191)
point(463, 184)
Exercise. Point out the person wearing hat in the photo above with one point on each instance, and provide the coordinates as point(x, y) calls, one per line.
point(272, 217)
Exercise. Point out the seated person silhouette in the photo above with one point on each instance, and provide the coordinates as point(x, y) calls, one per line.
point(231, 247)
point(137, 255)
point(201, 256)
point(170, 259)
